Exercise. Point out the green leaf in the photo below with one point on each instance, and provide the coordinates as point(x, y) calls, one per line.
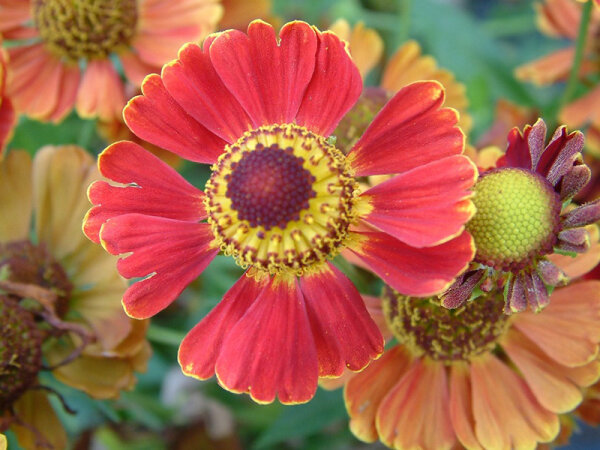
point(300, 421)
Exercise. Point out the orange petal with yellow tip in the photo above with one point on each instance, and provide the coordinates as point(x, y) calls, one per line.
point(569, 329)
point(508, 415)
point(549, 381)
point(366, 46)
point(558, 18)
point(415, 414)
point(461, 411)
point(15, 196)
point(101, 92)
point(365, 391)
point(407, 66)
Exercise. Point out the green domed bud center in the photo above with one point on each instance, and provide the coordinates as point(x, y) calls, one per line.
point(20, 351)
point(517, 218)
point(442, 334)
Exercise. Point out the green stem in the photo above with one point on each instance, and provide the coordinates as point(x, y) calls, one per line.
point(162, 335)
point(586, 13)
point(405, 6)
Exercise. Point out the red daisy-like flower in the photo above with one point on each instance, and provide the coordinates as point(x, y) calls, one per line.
point(524, 215)
point(282, 200)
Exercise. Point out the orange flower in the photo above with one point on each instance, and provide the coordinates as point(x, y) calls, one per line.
point(239, 13)
point(66, 60)
point(366, 46)
point(406, 66)
point(75, 324)
point(7, 114)
point(475, 376)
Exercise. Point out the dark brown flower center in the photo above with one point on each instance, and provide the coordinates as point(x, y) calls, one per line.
point(445, 334)
point(89, 29)
point(269, 187)
point(20, 351)
point(23, 262)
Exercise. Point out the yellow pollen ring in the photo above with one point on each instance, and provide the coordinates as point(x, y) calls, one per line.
point(88, 29)
point(301, 243)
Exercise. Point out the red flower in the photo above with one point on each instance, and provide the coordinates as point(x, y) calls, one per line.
point(282, 200)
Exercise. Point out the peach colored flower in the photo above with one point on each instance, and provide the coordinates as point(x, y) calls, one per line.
point(64, 49)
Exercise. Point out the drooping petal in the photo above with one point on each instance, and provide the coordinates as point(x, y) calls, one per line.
point(507, 414)
point(415, 413)
point(426, 205)
point(560, 154)
point(170, 253)
point(582, 263)
point(411, 130)
point(158, 190)
point(36, 81)
point(334, 88)
point(157, 118)
point(61, 176)
point(548, 380)
point(270, 352)
point(34, 409)
point(568, 331)
point(200, 348)
point(268, 78)
point(197, 88)
point(461, 410)
point(101, 93)
point(582, 110)
point(15, 196)
point(365, 391)
point(344, 333)
point(414, 271)
point(135, 69)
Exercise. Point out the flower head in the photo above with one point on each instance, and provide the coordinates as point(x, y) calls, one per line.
point(520, 218)
point(59, 296)
point(65, 60)
point(282, 200)
point(474, 376)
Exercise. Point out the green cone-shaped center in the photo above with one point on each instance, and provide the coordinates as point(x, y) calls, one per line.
point(517, 218)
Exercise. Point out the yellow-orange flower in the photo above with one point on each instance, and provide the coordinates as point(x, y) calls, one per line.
point(65, 49)
point(366, 46)
point(475, 376)
point(86, 339)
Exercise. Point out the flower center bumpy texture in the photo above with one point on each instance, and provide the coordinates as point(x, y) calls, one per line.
point(88, 29)
point(445, 334)
point(517, 218)
point(281, 199)
point(20, 351)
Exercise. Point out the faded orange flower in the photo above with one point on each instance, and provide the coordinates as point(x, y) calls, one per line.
point(60, 296)
point(64, 49)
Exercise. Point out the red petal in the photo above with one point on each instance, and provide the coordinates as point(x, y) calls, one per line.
point(410, 131)
point(8, 119)
point(201, 347)
point(268, 79)
point(270, 351)
point(426, 205)
point(345, 334)
point(155, 117)
point(414, 271)
point(157, 190)
point(170, 253)
point(196, 86)
point(334, 88)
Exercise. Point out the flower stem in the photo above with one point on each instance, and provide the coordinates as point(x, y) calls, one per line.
point(162, 335)
point(584, 24)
